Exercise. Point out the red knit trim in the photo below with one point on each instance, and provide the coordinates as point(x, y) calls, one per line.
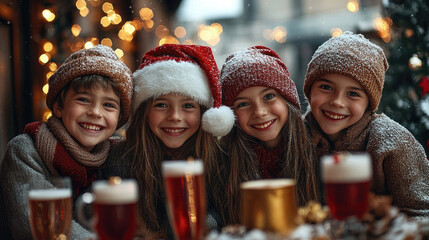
point(32, 128)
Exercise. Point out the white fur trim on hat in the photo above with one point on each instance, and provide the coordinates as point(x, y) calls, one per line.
point(218, 121)
point(170, 76)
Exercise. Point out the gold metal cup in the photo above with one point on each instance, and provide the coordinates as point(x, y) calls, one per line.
point(269, 205)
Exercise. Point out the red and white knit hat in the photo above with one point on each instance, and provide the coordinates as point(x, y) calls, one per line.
point(190, 70)
point(256, 66)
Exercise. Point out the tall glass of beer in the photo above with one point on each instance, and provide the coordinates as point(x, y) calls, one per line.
point(50, 208)
point(114, 203)
point(185, 198)
point(347, 180)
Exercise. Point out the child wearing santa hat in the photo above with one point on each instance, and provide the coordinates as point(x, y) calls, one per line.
point(90, 97)
point(269, 139)
point(343, 85)
point(176, 114)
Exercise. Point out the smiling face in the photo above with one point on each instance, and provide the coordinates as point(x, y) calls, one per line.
point(261, 113)
point(337, 102)
point(174, 119)
point(89, 115)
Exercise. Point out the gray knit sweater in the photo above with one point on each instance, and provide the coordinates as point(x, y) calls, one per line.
point(400, 165)
point(21, 165)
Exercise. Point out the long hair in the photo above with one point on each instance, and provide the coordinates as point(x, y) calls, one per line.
point(241, 165)
point(146, 152)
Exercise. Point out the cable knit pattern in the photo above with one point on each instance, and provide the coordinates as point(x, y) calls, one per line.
point(400, 165)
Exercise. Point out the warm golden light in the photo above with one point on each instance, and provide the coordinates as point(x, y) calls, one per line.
point(48, 15)
point(80, 4)
point(107, 42)
point(119, 53)
point(105, 22)
point(180, 32)
point(48, 46)
point(44, 58)
point(168, 40)
point(48, 75)
point(116, 19)
point(146, 14)
point(76, 29)
point(88, 45)
point(148, 25)
point(47, 114)
point(210, 34)
point(335, 32)
point(45, 88)
point(280, 34)
point(353, 6)
point(53, 67)
point(217, 27)
point(161, 31)
point(383, 27)
point(107, 7)
point(84, 12)
point(129, 28)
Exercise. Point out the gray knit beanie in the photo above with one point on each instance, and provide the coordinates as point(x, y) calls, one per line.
point(354, 56)
point(99, 60)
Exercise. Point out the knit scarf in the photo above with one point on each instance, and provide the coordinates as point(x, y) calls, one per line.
point(353, 138)
point(62, 154)
point(269, 160)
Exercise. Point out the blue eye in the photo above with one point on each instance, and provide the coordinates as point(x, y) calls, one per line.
point(160, 105)
point(188, 105)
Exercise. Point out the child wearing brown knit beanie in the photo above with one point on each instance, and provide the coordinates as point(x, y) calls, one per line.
point(269, 139)
point(90, 97)
point(343, 85)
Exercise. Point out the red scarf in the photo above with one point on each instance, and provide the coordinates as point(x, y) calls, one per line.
point(269, 160)
point(63, 155)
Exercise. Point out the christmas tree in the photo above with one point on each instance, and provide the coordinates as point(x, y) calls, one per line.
point(406, 89)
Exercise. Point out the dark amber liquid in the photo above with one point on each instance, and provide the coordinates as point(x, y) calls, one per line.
point(347, 199)
point(115, 221)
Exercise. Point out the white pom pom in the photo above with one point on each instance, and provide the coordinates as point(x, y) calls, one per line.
point(218, 121)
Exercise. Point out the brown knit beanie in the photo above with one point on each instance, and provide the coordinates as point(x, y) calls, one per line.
point(256, 66)
point(354, 56)
point(99, 60)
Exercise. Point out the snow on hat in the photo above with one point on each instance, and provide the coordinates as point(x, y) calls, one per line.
point(99, 60)
point(256, 66)
point(190, 70)
point(354, 56)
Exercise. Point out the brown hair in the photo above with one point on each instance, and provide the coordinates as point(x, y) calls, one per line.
point(146, 152)
point(241, 164)
point(87, 82)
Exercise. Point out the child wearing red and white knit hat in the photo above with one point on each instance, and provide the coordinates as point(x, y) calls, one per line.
point(269, 139)
point(176, 114)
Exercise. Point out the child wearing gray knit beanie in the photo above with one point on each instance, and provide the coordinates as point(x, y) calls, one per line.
point(90, 97)
point(343, 86)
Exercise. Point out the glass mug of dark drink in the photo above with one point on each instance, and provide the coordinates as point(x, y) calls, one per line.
point(269, 205)
point(347, 179)
point(114, 204)
point(50, 209)
point(185, 198)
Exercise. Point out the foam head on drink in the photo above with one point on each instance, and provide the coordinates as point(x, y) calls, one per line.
point(182, 168)
point(122, 193)
point(347, 182)
point(49, 194)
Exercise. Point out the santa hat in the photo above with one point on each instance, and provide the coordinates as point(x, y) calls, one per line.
point(190, 70)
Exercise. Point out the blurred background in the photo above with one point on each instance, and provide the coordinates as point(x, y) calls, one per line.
point(37, 36)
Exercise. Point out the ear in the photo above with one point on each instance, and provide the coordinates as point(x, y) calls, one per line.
point(57, 110)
